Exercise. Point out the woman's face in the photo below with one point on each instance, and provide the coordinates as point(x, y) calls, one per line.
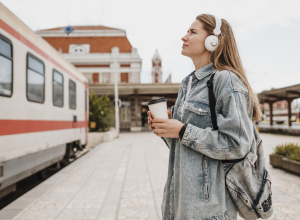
point(193, 41)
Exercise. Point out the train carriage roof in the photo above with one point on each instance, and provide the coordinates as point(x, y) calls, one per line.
point(15, 27)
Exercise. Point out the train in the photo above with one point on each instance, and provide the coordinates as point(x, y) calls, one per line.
point(43, 104)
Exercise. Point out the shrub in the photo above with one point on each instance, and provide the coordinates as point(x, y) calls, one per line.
point(289, 150)
point(100, 111)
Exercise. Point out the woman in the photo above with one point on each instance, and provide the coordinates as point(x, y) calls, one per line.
point(195, 187)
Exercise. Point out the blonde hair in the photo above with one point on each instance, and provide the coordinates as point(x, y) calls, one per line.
point(226, 57)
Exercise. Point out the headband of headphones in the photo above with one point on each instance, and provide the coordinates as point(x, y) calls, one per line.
point(217, 29)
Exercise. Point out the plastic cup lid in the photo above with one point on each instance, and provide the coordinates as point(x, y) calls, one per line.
point(155, 101)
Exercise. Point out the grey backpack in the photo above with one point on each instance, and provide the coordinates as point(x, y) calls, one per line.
point(247, 180)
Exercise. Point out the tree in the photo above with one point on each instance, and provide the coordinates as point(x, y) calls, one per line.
point(100, 112)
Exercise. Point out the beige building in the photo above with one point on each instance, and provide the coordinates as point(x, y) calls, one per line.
point(92, 49)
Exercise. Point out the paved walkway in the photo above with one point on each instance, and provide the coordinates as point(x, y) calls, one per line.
point(125, 178)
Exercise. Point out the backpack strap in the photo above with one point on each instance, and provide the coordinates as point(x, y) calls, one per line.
point(212, 101)
point(212, 106)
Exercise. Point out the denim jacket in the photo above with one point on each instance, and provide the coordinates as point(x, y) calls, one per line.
point(195, 187)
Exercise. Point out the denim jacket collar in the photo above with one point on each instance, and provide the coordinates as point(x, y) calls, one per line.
point(202, 72)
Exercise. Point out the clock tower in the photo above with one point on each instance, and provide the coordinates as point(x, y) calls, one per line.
point(156, 68)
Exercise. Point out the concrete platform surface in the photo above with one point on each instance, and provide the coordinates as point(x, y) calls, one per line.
point(124, 179)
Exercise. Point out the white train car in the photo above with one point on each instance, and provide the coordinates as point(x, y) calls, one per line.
point(43, 104)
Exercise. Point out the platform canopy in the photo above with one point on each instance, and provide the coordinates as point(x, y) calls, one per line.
point(137, 88)
point(286, 93)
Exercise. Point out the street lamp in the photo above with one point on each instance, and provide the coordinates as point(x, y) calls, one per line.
point(115, 53)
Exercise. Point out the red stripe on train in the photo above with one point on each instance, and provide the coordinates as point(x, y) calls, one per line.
point(10, 127)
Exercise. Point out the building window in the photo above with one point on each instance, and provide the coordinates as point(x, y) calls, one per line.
point(95, 77)
point(124, 65)
point(35, 79)
point(124, 77)
point(72, 94)
point(79, 48)
point(58, 89)
point(106, 77)
point(6, 67)
point(125, 111)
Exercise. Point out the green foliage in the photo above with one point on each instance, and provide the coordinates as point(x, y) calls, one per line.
point(100, 112)
point(289, 150)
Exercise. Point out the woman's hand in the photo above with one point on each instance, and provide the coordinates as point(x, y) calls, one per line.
point(150, 117)
point(164, 127)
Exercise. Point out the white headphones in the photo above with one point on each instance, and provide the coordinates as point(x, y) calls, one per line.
point(212, 41)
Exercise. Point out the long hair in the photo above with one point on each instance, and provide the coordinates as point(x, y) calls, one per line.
point(226, 57)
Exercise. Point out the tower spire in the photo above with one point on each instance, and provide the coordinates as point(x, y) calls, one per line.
point(156, 68)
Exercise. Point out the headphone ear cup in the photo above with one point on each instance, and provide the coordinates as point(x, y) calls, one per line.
point(211, 42)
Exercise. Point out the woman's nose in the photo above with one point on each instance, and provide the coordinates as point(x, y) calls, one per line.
point(184, 38)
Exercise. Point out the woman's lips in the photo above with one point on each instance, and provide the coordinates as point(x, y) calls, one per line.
point(184, 45)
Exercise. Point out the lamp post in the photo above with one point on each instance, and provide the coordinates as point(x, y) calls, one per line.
point(115, 53)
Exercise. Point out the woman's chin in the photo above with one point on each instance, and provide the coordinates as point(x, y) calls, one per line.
point(184, 52)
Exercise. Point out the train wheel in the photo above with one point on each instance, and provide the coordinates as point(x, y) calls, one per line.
point(64, 162)
point(43, 174)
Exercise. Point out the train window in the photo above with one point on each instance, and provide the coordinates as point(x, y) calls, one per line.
point(35, 79)
point(6, 67)
point(72, 94)
point(58, 89)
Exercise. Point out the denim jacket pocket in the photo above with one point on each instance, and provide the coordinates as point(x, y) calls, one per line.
point(205, 178)
point(199, 108)
point(198, 114)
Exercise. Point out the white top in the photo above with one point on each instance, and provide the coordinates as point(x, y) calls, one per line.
point(187, 94)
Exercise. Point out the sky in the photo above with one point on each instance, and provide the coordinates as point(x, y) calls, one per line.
point(266, 31)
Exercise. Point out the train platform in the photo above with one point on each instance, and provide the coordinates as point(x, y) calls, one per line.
point(124, 179)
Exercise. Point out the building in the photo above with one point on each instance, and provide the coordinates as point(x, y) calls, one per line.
point(280, 112)
point(93, 50)
point(157, 69)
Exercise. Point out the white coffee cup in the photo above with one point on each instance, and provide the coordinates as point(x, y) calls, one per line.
point(158, 108)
